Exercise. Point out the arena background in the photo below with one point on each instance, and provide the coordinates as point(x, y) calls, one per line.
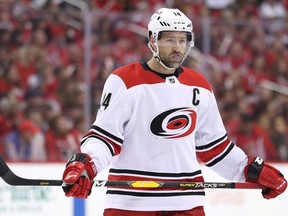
point(55, 56)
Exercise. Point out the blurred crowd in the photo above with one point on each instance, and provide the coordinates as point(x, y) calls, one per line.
point(241, 47)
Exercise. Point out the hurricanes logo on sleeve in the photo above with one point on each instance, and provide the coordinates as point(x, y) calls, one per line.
point(174, 123)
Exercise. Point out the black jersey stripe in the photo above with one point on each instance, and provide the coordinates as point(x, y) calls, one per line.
point(106, 133)
point(218, 159)
point(102, 140)
point(207, 146)
point(154, 174)
point(147, 194)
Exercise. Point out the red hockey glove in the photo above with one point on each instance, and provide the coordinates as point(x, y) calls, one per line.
point(266, 175)
point(78, 176)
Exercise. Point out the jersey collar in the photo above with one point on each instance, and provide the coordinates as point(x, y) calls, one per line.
point(176, 73)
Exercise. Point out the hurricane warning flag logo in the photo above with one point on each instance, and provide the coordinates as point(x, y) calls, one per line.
point(174, 123)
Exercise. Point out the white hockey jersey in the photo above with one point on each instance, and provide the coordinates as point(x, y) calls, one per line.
point(156, 127)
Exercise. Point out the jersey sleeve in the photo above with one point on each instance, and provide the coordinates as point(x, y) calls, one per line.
point(104, 139)
point(213, 147)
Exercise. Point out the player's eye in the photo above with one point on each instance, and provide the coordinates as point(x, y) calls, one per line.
point(170, 40)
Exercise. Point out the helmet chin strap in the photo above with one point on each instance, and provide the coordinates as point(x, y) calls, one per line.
point(161, 62)
point(157, 57)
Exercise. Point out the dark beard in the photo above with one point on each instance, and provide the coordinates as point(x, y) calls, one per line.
point(171, 64)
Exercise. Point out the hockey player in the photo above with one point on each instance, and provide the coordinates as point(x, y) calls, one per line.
point(155, 120)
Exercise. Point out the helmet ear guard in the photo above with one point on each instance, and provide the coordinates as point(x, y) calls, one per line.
point(190, 36)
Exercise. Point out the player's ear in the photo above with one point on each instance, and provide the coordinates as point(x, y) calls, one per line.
point(152, 42)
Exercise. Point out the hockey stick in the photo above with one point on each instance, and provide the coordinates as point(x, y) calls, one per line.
point(12, 179)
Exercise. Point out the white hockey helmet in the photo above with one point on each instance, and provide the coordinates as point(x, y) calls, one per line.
point(167, 19)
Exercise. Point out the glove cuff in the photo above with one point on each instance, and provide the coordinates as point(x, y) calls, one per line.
point(254, 168)
point(81, 157)
point(90, 168)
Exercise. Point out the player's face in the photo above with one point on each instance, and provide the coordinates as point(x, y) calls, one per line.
point(172, 48)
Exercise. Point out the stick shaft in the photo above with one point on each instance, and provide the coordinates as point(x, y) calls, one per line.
point(175, 184)
point(12, 179)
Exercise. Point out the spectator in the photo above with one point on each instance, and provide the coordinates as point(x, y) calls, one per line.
point(26, 143)
point(270, 9)
point(8, 116)
point(255, 74)
point(10, 82)
point(61, 140)
point(254, 140)
point(274, 14)
point(280, 137)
